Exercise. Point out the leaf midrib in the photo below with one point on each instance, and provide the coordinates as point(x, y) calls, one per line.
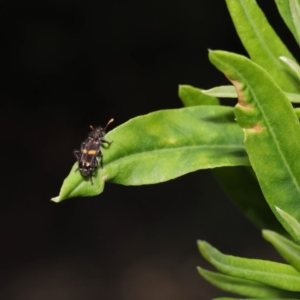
point(279, 275)
point(270, 128)
point(259, 37)
point(169, 149)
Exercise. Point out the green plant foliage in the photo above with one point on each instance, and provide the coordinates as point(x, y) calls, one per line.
point(265, 88)
point(290, 13)
point(294, 98)
point(224, 91)
point(297, 111)
point(278, 275)
point(244, 287)
point(291, 222)
point(261, 109)
point(239, 183)
point(253, 150)
point(191, 96)
point(260, 40)
point(229, 91)
point(288, 249)
point(292, 68)
point(164, 145)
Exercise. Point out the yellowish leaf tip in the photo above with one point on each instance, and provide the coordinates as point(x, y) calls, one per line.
point(55, 199)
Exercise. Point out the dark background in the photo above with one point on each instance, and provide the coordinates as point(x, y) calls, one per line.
point(68, 64)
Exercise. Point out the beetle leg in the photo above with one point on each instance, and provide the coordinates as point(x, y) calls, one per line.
point(83, 145)
point(101, 158)
point(95, 163)
point(105, 141)
point(91, 179)
point(77, 154)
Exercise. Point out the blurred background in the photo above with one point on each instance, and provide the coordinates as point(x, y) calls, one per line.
point(68, 64)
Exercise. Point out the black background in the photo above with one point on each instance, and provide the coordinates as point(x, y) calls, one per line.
point(68, 64)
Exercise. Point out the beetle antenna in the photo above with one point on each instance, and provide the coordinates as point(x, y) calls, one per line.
point(110, 121)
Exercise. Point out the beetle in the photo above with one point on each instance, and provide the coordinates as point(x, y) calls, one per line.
point(87, 156)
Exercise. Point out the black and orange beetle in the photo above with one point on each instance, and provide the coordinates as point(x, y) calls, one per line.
point(90, 151)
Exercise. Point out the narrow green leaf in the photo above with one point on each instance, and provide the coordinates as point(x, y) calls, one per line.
point(292, 68)
point(75, 185)
point(224, 91)
point(241, 186)
point(191, 96)
point(232, 182)
point(294, 98)
point(271, 130)
point(290, 13)
point(260, 40)
point(297, 111)
point(275, 274)
point(287, 249)
point(238, 183)
point(229, 91)
point(244, 287)
point(164, 145)
point(291, 222)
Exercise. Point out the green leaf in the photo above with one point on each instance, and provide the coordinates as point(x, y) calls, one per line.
point(287, 249)
point(271, 131)
point(275, 274)
point(224, 91)
point(297, 111)
point(75, 185)
point(292, 68)
point(238, 183)
point(241, 186)
point(291, 222)
point(290, 13)
point(244, 287)
point(260, 40)
point(229, 91)
point(191, 96)
point(294, 98)
point(164, 145)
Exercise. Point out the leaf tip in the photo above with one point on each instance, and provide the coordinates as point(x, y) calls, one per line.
point(266, 232)
point(182, 88)
point(283, 58)
point(280, 211)
point(199, 242)
point(201, 245)
point(55, 199)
